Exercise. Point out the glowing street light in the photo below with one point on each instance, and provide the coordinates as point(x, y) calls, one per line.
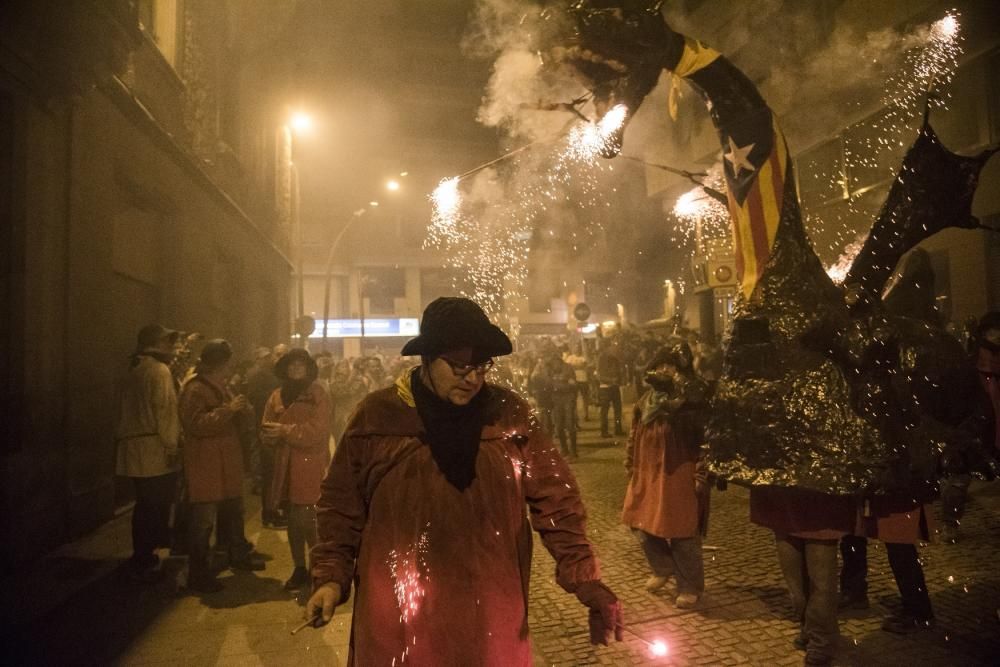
point(301, 122)
point(392, 185)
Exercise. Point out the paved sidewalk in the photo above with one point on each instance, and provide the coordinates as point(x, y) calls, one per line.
point(77, 607)
point(84, 610)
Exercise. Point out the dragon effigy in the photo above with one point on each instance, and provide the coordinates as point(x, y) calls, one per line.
point(823, 387)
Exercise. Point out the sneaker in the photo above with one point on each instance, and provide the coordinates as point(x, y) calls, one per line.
point(252, 562)
point(853, 601)
point(903, 624)
point(205, 585)
point(655, 583)
point(686, 601)
point(298, 580)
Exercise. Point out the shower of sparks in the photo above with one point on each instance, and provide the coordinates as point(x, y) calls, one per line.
point(446, 200)
point(839, 269)
point(587, 140)
point(407, 578)
point(487, 240)
point(701, 217)
point(872, 149)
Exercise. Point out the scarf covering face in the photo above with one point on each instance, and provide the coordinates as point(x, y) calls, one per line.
point(452, 431)
point(292, 389)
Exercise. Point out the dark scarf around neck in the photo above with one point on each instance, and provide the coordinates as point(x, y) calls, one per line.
point(292, 389)
point(452, 431)
point(655, 405)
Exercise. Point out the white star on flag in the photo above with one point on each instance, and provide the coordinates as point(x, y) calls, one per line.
point(739, 157)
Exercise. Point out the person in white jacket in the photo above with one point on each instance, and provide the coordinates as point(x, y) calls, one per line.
point(147, 441)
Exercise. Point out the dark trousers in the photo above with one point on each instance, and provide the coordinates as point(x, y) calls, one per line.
point(564, 423)
point(151, 517)
point(545, 418)
point(583, 389)
point(301, 531)
point(954, 490)
point(679, 557)
point(266, 473)
point(810, 571)
point(906, 569)
point(610, 397)
point(203, 517)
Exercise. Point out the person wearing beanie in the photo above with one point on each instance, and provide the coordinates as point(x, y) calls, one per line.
point(296, 427)
point(666, 502)
point(147, 437)
point(423, 509)
point(213, 466)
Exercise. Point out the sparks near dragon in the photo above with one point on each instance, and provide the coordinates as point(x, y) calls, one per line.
point(823, 387)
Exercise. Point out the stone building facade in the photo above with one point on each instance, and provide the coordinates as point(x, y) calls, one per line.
point(137, 185)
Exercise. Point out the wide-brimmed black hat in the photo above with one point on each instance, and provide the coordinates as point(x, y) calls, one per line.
point(215, 353)
point(451, 323)
point(296, 354)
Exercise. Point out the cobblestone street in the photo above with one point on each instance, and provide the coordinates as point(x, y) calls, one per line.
point(76, 607)
point(745, 616)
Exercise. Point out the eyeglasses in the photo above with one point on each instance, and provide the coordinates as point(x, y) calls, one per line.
point(463, 370)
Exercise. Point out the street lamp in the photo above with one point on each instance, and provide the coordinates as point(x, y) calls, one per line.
point(301, 122)
point(297, 124)
point(392, 185)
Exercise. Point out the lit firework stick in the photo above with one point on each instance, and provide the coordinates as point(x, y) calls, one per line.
point(587, 141)
point(702, 211)
point(657, 647)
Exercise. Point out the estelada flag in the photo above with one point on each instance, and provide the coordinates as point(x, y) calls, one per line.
point(755, 157)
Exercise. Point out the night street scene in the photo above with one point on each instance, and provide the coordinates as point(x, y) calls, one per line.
point(508, 333)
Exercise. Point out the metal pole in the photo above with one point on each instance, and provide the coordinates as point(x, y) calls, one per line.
point(361, 307)
point(297, 222)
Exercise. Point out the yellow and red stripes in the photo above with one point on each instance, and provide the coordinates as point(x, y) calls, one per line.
point(755, 222)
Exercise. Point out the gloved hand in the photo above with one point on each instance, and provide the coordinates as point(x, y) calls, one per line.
point(605, 611)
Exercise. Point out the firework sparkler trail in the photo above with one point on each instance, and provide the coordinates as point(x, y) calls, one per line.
point(702, 215)
point(658, 648)
point(488, 244)
point(873, 147)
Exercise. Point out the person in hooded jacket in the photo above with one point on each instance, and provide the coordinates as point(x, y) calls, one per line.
point(666, 502)
point(423, 510)
point(296, 426)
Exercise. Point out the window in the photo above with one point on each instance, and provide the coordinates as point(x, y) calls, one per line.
point(382, 286)
point(159, 20)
